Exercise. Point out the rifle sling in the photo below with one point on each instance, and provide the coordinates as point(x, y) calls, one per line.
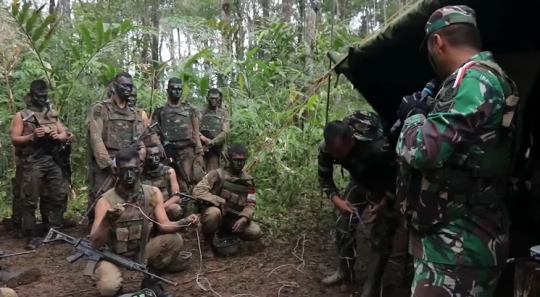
point(144, 230)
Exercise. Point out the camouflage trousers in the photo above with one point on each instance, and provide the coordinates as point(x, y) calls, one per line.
point(441, 280)
point(212, 221)
point(162, 253)
point(211, 161)
point(17, 203)
point(187, 155)
point(42, 181)
point(96, 182)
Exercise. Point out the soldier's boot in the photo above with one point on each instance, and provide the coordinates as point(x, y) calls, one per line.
point(375, 273)
point(154, 285)
point(141, 293)
point(208, 250)
point(31, 240)
point(345, 274)
point(19, 278)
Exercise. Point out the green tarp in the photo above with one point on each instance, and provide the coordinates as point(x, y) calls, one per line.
point(389, 65)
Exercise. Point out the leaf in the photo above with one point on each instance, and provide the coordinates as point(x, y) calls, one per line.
point(32, 20)
point(87, 39)
point(204, 85)
point(99, 32)
point(44, 26)
point(22, 14)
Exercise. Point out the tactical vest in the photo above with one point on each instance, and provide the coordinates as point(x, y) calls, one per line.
point(159, 178)
point(211, 121)
point(48, 121)
point(234, 189)
point(119, 127)
point(176, 123)
point(129, 234)
point(477, 181)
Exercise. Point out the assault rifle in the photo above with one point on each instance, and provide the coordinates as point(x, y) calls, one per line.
point(82, 245)
point(51, 147)
point(173, 155)
point(185, 197)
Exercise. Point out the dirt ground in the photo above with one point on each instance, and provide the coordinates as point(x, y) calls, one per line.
point(262, 269)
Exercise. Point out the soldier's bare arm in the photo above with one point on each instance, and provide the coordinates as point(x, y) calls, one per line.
point(17, 128)
point(96, 141)
point(326, 172)
point(195, 137)
point(204, 188)
point(174, 188)
point(165, 225)
point(249, 209)
point(145, 119)
point(61, 133)
point(225, 128)
point(100, 228)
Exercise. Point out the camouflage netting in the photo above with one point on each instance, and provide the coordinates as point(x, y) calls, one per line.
point(389, 64)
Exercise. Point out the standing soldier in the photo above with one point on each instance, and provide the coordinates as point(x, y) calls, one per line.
point(214, 129)
point(38, 132)
point(358, 145)
point(132, 102)
point(112, 125)
point(180, 125)
point(460, 150)
point(164, 178)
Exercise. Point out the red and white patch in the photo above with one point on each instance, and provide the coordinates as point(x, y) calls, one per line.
point(252, 197)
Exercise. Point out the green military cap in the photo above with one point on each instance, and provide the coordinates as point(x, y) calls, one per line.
point(449, 15)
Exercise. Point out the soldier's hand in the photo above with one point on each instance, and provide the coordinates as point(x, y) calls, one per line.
point(374, 210)
point(53, 135)
point(343, 206)
point(191, 220)
point(113, 214)
point(205, 139)
point(218, 200)
point(39, 132)
point(240, 225)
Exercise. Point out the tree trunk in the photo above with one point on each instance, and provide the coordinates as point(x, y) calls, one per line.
point(226, 11)
point(265, 5)
point(155, 45)
point(65, 8)
point(310, 38)
point(286, 10)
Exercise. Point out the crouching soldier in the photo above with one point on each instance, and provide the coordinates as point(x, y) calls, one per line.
point(228, 188)
point(162, 177)
point(124, 217)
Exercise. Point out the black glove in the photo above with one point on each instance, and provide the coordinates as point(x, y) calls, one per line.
point(411, 105)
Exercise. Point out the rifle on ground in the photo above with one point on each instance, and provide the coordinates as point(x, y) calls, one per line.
point(51, 147)
point(173, 155)
point(82, 245)
point(185, 197)
point(110, 181)
point(2, 255)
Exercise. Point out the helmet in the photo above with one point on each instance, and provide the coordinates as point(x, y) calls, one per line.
point(182, 262)
point(226, 246)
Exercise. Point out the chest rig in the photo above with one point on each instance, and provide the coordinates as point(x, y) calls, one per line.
point(176, 123)
point(119, 127)
point(234, 189)
point(159, 178)
point(129, 234)
point(47, 120)
point(211, 121)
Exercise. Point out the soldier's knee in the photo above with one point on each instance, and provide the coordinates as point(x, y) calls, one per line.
point(253, 232)
point(211, 219)
point(7, 292)
point(109, 287)
point(174, 212)
point(108, 278)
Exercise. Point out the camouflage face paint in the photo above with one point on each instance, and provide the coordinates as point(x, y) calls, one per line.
point(153, 158)
point(213, 100)
point(175, 92)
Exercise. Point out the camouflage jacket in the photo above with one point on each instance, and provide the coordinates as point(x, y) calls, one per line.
point(100, 115)
point(372, 165)
point(169, 124)
point(445, 148)
point(216, 122)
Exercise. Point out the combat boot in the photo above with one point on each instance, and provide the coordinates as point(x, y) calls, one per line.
point(208, 249)
point(141, 293)
point(344, 274)
point(18, 278)
point(154, 285)
point(31, 241)
point(375, 273)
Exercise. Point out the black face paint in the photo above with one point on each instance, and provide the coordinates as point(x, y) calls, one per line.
point(124, 91)
point(237, 165)
point(39, 99)
point(132, 99)
point(175, 92)
point(213, 100)
point(152, 160)
point(128, 176)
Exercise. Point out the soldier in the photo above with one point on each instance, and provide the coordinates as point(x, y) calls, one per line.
point(164, 178)
point(112, 125)
point(358, 145)
point(38, 132)
point(180, 124)
point(130, 204)
point(214, 129)
point(228, 187)
point(132, 102)
point(460, 147)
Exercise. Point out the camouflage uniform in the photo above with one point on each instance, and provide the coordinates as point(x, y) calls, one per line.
point(459, 228)
point(160, 179)
point(180, 125)
point(110, 128)
point(217, 123)
point(236, 191)
point(41, 175)
point(129, 238)
point(16, 202)
point(372, 167)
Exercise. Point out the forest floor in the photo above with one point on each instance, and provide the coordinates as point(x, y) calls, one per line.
point(263, 269)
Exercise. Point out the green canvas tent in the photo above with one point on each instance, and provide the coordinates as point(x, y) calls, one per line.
point(389, 65)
